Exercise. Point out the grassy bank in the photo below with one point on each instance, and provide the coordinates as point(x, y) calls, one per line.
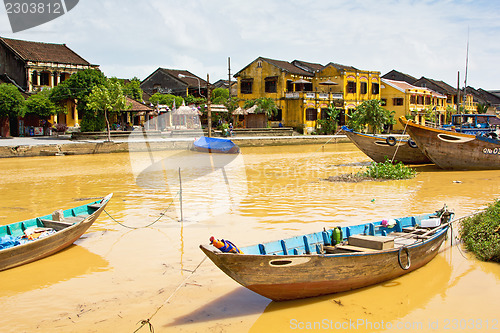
point(481, 233)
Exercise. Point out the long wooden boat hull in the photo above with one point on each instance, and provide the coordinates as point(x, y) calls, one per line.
point(286, 270)
point(455, 151)
point(64, 236)
point(377, 148)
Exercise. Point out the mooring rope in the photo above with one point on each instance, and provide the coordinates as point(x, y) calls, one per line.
point(148, 321)
point(146, 226)
point(397, 147)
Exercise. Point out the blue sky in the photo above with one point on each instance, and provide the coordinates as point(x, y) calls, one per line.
point(422, 38)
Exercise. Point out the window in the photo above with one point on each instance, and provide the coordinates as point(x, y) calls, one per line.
point(363, 88)
point(375, 89)
point(44, 78)
point(34, 78)
point(246, 86)
point(427, 100)
point(398, 101)
point(420, 99)
point(311, 114)
point(289, 86)
point(413, 99)
point(270, 84)
point(351, 87)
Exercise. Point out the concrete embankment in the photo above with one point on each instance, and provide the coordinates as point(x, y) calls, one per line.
point(30, 147)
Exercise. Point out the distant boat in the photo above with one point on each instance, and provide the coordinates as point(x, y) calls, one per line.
point(215, 145)
point(475, 124)
point(26, 241)
point(380, 148)
point(310, 265)
point(454, 150)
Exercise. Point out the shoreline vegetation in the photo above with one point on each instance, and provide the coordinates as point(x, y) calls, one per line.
point(481, 233)
point(381, 171)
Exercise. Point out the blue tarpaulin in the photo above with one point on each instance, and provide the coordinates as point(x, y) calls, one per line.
point(216, 144)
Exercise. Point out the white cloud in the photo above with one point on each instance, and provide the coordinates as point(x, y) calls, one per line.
point(421, 38)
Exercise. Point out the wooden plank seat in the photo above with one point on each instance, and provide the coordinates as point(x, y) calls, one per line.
point(352, 248)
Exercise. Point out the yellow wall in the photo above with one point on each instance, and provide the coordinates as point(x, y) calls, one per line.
point(294, 106)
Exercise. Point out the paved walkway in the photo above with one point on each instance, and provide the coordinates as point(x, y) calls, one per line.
point(65, 139)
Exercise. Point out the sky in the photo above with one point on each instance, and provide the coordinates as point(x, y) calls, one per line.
point(130, 38)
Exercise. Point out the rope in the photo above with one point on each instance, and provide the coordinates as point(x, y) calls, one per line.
point(147, 226)
point(397, 147)
point(148, 321)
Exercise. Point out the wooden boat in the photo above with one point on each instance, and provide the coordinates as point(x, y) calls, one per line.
point(380, 149)
point(215, 145)
point(453, 150)
point(309, 265)
point(62, 227)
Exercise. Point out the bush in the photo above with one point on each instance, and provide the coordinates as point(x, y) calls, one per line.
point(481, 233)
point(387, 170)
point(92, 123)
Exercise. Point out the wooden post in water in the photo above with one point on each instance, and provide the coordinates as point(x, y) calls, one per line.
point(180, 195)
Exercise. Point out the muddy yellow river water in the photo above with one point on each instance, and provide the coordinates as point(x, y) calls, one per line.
point(117, 275)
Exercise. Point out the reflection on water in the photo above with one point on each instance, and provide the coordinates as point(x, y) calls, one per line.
point(116, 276)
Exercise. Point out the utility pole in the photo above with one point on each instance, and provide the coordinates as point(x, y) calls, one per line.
point(229, 75)
point(209, 111)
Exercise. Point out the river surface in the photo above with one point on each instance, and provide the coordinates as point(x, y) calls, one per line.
point(120, 273)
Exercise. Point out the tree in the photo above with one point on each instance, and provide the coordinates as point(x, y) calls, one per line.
point(41, 105)
point(166, 99)
point(482, 107)
point(264, 105)
point(329, 125)
point(107, 99)
point(11, 106)
point(371, 113)
point(77, 88)
point(11, 101)
point(133, 89)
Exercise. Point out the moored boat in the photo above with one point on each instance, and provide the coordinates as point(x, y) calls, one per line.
point(26, 241)
point(215, 145)
point(380, 149)
point(324, 263)
point(454, 150)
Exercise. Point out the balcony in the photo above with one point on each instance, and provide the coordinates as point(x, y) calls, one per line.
point(314, 95)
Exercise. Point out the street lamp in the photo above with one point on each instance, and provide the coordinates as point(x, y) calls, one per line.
point(192, 77)
point(209, 112)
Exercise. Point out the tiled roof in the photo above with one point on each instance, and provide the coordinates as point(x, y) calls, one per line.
point(137, 106)
point(403, 86)
point(43, 52)
point(308, 66)
point(342, 67)
point(287, 67)
point(187, 80)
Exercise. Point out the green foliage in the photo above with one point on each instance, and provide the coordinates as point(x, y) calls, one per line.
point(220, 96)
point(430, 114)
point(264, 105)
point(370, 113)
point(166, 99)
point(481, 233)
point(387, 170)
point(106, 99)
point(78, 87)
point(329, 125)
point(11, 101)
point(482, 107)
point(93, 122)
point(190, 99)
point(41, 105)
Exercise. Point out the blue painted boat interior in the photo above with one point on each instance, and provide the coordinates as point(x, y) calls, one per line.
point(17, 229)
point(312, 243)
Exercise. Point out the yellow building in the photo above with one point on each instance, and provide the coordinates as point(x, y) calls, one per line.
point(304, 91)
point(405, 99)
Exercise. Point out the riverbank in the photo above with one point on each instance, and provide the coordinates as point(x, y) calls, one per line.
point(64, 145)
